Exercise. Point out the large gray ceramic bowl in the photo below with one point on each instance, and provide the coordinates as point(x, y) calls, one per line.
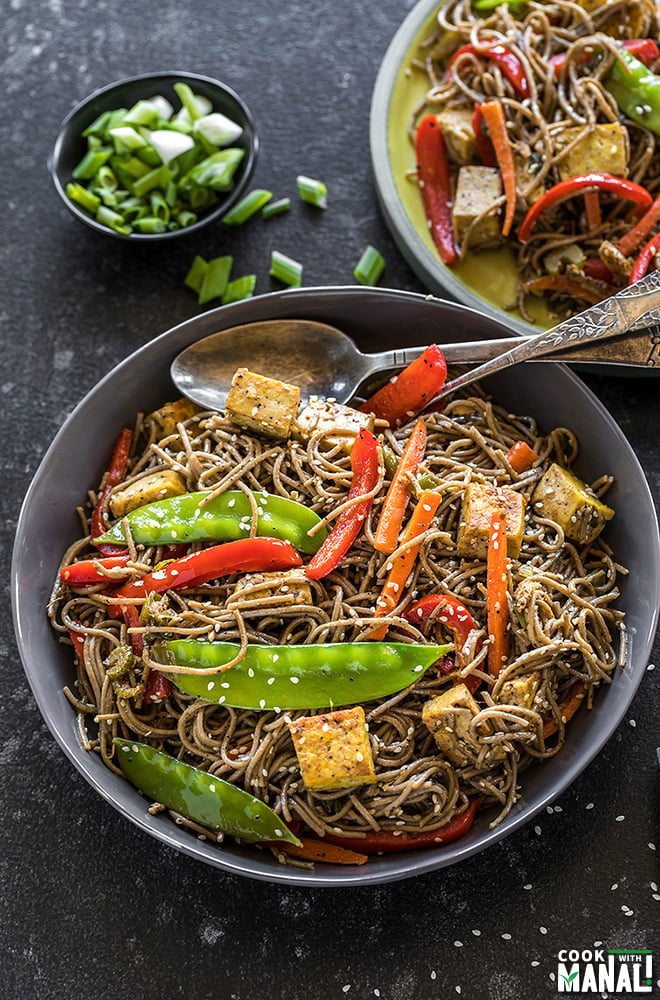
point(377, 320)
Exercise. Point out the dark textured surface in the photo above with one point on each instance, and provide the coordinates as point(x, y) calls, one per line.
point(89, 906)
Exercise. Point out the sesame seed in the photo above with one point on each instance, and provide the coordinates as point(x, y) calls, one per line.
point(458, 944)
point(543, 930)
point(589, 805)
point(433, 974)
point(506, 937)
point(221, 699)
point(614, 886)
point(619, 819)
point(271, 680)
point(476, 933)
point(528, 886)
point(295, 680)
point(262, 703)
point(534, 964)
point(537, 831)
point(211, 788)
point(211, 685)
point(652, 845)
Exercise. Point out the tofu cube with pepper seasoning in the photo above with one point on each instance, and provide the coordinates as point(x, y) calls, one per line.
point(156, 486)
point(333, 750)
point(456, 127)
point(477, 193)
point(293, 585)
point(520, 691)
point(171, 414)
point(338, 424)
point(479, 503)
point(261, 404)
point(448, 717)
point(563, 498)
point(603, 149)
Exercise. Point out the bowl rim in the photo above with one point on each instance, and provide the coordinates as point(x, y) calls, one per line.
point(402, 865)
point(249, 129)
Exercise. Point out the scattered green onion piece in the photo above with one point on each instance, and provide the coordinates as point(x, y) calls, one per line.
point(126, 139)
point(370, 267)
point(217, 129)
point(216, 279)
point(247, 207)
point(313, 192)
point(195, 275)
point(159, 207)
point(98, 126)
point(142, 113)
point(185, 219)
point(285, 269)
point(105, 178)
point(216, 171)
point(157, 178)
point(81, 196)
point(239, 289)
point(275, 208)
point(92, 161)
point(170, 144)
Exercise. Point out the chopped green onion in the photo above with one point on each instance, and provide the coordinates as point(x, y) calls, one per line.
point(88, 201)
point(247, 207)
point(370, 267)
point(195, 275)
point(216, 279)
point(113, 220)
point(239, 289)
point(285, 269)
point(275, 208)
point(92, 161)
point(157, 164)
point(313, 192)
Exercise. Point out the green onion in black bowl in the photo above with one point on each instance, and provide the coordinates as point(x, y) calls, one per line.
point(155, 157)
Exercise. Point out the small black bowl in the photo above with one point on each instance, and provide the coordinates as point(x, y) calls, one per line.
point(70, 146)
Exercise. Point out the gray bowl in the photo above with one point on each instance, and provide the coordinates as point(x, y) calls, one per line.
point(70, 146)
point(375, 318)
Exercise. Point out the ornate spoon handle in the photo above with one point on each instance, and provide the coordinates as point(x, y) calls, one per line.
point(609, 318)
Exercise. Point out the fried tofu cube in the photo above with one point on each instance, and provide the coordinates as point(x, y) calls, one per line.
point(261, 404)
point(520, 691)
point(448, 717)
point(171, 414)
point(479, 503)
point(156, 486)
point(563, 498)
point(339, 424)
point(603, 149)
point(456, 126)
point(477, 194)
point(333, 750)
point(292, 584)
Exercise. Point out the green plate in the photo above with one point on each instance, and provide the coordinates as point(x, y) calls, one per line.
point(485, 280)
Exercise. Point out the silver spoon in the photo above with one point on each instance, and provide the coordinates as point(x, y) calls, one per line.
point(323, 361)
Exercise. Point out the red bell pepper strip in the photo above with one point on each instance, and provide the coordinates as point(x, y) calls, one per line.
point(420, 521)
point(635, 236)
point(410, 391)
point(387, 842)
point(246, 555)
point(644, 49)
point(509, 63)
point(364, 465)
point(132, 619)
point(592, 208)
point(396, 501)
point(484, 145)
point(521, 457)
point(619, 186)
point(456, 618)
point(158, 688)
point(496, 594)
point(495, 119)
point(114, 475)
point(434, 181)
point(78, 640)
point(564, 285)
point(644, 260)
point(597, 270)
point(91, 570)
point(568, 707)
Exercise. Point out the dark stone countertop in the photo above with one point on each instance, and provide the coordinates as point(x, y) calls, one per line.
point(89, 906)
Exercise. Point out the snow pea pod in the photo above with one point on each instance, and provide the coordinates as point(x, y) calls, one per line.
point(225, 518)
point(635, 89)
point(199, 796)
point(300, 677)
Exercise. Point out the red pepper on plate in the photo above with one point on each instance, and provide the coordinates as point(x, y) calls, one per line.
point(568, 707)
point(364, 465)
point(115, 474)
point(509, 63)
point(387, 842)
point(455, 617)
point(89, 571)
point(619, 186)
point(521, 457)
point(644, 260)
point(598, 270)
point(434, 182)
point(411, 390)
point(246, 555)
point(644, 49)
point(496, 594)
point(484, 144)
point(158, 688)
point(635, 236)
